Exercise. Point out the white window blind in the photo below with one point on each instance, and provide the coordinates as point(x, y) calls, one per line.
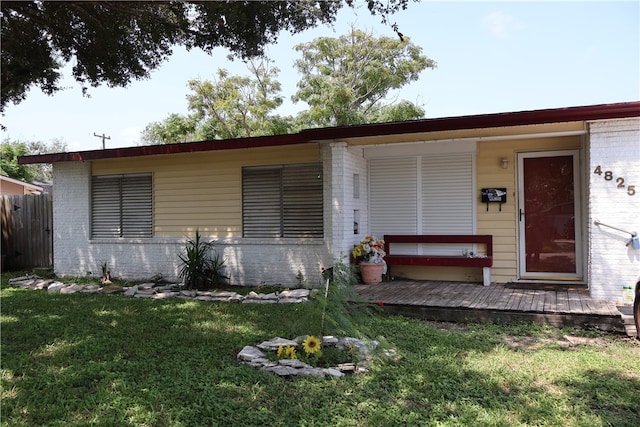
point(282, 201)
point(447, 195)
point(422, 195)
point(447, 200)
point(393, 201)
point(121, 206)
point(393, 188)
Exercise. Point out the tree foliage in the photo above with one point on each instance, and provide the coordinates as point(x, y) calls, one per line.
point(346, 84)
point(228, 107)
point(10, 150)
point(115, 42)
point(9, 166)
point(237, 106)
point(346, 80)
point(175, 128)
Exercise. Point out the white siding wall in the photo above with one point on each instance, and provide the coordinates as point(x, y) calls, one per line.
point(248, 262)
point(614, 145)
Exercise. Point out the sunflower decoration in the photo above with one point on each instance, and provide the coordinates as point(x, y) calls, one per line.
point(311, 345)
point(290, 352)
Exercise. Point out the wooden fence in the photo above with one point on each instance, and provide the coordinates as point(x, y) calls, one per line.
point(27, 231)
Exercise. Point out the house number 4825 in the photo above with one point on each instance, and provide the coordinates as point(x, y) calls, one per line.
point(608, 176)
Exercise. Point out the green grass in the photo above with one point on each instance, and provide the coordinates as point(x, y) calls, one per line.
point(84, 359)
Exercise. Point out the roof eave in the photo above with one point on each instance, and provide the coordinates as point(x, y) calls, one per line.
point(155, 150)
point(482, 121)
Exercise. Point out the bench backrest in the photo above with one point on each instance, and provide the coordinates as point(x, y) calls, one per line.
point(486, 239)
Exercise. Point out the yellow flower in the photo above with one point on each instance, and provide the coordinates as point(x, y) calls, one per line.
point(290, 352)
point(280, 351)
point(311, 344)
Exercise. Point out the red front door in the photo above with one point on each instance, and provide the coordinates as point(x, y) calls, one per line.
point(548, 216)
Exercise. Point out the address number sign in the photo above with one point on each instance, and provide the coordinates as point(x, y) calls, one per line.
point(619, 181)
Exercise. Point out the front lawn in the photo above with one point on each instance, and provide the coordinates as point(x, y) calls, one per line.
point(83, 359)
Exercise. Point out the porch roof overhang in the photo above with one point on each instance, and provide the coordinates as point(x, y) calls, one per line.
point(424, 126)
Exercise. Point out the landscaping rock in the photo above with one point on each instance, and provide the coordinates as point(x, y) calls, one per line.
point(256, 358)
point(90, 289)
point(249, 353)
point(188, 294)
point(330, 340)
point(258, 301)
point(42, 284)
point(131, 291)
point(334, 372)
point(289, 300)
point(143, 295)
point(163, 295)
point(295, 293)
point(283, 371)
point(111, 289)
point(164, 291)
point(71, 289)
point(25, 284)
point(21, 279)
point(294, 363)
point(275, 343)
point(55, 287)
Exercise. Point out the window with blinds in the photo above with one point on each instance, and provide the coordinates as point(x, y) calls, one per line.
point(422, 195)
point(121, 206)
point(282, 201)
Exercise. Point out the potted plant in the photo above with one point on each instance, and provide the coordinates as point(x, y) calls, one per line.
point(369, 254)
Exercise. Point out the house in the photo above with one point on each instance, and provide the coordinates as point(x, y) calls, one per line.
point(10, 186)
point(557, 189)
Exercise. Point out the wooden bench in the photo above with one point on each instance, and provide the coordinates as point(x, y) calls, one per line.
point(442, 260)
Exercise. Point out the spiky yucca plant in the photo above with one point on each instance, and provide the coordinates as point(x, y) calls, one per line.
point(199, 270)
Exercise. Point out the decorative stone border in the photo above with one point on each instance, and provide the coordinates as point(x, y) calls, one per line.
point(155, 291)
point(254, 356)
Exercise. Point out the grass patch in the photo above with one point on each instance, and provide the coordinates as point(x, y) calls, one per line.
point(83, 359)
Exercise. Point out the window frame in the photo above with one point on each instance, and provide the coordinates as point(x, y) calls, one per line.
point(121, 206)
point(283, 201)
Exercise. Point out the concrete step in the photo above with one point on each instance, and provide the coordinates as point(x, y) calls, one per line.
point(626, 313)
point(629, 325)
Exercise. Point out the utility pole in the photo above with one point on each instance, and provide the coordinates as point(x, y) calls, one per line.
point(103, 138)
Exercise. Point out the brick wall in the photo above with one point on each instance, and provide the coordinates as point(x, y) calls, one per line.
point(348, 194)
point(613, 145)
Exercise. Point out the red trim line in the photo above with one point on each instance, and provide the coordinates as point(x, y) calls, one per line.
point(155, 150)
point(482, 121)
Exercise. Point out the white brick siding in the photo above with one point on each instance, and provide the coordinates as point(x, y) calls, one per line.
point(343, 164)
point(614, 145)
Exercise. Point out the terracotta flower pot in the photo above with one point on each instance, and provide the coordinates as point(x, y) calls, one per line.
point(371, 272)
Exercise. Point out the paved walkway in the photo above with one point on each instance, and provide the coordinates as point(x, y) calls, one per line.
point(455, 301)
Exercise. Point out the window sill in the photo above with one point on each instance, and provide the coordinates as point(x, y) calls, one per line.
point(279, 241)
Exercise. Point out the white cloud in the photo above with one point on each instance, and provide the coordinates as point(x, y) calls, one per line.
point(129, 136)
point(501, 24)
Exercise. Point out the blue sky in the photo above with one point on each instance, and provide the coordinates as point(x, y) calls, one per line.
point(492, 57)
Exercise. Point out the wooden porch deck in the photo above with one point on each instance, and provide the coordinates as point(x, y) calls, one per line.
point(456, 302)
